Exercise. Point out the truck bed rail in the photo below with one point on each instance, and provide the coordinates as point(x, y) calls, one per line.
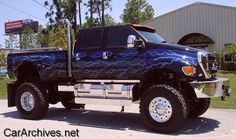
point(16, 51)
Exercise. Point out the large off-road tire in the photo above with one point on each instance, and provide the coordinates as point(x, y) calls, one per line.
point(31, 101)
point(68, 101)
point(163, 108)
point(201, 107)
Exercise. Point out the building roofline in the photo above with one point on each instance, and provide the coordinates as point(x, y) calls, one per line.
point(190, 5)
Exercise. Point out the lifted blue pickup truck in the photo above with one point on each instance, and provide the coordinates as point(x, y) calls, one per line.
point(116, 66)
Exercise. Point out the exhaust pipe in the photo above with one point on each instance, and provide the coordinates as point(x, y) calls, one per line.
point(69, 64)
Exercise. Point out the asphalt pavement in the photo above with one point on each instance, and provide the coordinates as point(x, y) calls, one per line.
point(106, 122)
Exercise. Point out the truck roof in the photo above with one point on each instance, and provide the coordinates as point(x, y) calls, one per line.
point(136, 26)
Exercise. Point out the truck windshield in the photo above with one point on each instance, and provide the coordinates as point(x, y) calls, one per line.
point(152, 37)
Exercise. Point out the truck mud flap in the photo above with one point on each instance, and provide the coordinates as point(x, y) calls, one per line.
point(11, 91)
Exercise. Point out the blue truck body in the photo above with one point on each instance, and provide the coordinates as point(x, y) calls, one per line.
point(124, 64)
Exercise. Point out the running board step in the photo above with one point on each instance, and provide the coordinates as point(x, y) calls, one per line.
point(100, 93)
point(100, 101)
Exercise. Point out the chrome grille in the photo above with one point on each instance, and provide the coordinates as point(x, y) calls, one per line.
point(205, 62)
point(209, 65)
point(212, 64)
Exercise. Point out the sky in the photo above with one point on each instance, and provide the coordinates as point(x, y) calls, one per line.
point(12, 10)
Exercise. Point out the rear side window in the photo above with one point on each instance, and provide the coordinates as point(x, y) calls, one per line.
point(89, 38)
point(117, 36)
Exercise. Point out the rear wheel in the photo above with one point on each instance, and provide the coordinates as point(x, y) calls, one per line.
point(68, 101)
point(201, 107)
point(31, 101)
point(70, 104)
point(163, 108)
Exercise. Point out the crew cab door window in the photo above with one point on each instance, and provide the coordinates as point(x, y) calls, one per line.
point(89, 38)
point(117, 36)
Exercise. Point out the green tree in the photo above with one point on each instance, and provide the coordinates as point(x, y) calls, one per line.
point(61, 10)
point(230, 50)
point(52, 38)
point(101, 6)
point(43, 36)
point(2, 59)
point(95, 16)
point(11, 41)
point(29, 39)
point(58, 38)
point(109, 21)
point(89, 14)
point(137, 11)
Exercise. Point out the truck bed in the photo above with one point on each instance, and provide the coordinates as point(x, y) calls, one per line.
point(50, 65)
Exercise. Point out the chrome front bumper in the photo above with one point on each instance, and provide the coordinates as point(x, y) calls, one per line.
point(216, 88)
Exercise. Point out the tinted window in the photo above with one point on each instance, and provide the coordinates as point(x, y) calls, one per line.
point(117, 36)
point(89, 38)
point(152, 37)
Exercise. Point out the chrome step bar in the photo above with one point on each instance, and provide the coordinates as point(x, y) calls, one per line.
point(108, 92)
point(109, 81)
point(99, 101)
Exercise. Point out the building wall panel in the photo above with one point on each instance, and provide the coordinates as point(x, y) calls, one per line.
point(215, 21)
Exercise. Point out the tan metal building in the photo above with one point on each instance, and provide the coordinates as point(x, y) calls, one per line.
point(200, 25)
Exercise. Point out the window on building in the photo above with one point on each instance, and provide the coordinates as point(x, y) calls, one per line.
point(196, 40)
point(228, 58)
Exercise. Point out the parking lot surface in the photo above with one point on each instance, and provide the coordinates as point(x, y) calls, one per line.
point(106, 122)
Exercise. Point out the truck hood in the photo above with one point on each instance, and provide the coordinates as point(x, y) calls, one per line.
point(175, 47)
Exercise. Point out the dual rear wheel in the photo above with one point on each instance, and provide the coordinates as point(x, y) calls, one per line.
point(31, 101)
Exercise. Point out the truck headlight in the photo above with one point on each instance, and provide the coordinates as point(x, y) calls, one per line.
point(189, 70)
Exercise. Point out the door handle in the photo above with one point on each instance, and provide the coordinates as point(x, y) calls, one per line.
point(77, 56)
point(105, 55)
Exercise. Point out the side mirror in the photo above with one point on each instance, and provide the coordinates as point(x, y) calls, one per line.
point(132, 42)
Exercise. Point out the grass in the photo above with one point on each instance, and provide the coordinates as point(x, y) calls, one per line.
point(229, 103)
point(3, 87)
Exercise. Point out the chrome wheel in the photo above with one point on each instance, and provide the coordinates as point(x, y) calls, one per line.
point(27, 101)
point(160, 109)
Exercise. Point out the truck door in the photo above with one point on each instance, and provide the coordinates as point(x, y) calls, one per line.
point(88, 54)
point(122, 62)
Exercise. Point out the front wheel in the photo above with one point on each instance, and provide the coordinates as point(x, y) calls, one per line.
point(31, 101)
point(201, 107)
point(163, 108)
